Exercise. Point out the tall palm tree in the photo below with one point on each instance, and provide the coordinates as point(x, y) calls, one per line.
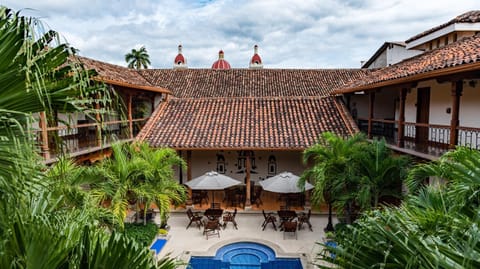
point(138, 59)
point(332, 169)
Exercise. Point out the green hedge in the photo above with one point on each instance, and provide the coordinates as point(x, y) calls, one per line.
point(143, 234)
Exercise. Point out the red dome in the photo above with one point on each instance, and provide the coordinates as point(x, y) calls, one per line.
point(256, 59)
point(179, 59)
point(221, 63)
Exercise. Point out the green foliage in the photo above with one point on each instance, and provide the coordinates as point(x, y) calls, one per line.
point(138, 58)
point(45, 219)
point(435, 227)
point(137, 175)
point(143, 234)
point(353, 174)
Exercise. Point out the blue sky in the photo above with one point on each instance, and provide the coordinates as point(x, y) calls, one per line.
point(290, 34)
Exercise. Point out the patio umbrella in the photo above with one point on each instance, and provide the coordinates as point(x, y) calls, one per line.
point(212, 181)
point(285, 182)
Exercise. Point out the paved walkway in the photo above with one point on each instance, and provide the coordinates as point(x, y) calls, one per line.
point(182, 243)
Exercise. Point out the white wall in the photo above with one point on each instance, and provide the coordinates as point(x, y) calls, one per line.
point(398, 53)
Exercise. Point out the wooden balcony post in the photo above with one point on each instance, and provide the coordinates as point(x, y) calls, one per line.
point(371, 105)
point(401, 119)
point(44, 136)
point(457, 89)
point(189, 171)
point(130, 122)
point(98, 130)
point(247, 183)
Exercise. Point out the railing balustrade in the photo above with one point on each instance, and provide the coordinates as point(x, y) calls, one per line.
point(433, 139)
point(82, 137)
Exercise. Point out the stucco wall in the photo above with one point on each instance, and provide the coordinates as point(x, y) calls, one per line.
point(204, 161)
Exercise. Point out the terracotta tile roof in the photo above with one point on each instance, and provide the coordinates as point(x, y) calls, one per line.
point(118, 75)
point(463, 55)
point(201, 83)
point(468, 17)
point(243, 123)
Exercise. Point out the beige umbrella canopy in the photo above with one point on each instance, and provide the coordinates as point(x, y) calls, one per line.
point(212, 181)
point(285, 182)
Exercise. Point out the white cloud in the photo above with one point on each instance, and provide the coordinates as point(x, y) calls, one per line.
point(291, 34)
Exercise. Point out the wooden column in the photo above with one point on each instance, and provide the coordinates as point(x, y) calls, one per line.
point(130, 122)
point(401, 119)
point(189, 171)
point(247, 183)
point(371, 104)
point(44, 136)
point(457, 89)
point(180, 170)
point(98, 130)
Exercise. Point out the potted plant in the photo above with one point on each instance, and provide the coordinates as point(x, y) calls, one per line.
point(162, 232)
point(329, 236)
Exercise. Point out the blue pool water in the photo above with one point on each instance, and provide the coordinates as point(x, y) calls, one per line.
point(244, 255)
point(158, 245)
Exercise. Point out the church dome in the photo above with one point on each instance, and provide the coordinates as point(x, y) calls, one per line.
point(179, 61)
point(256, 61)
point(221, 63)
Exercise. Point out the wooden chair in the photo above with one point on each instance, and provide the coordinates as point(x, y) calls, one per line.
point(194, 217)
point(211, 227)
point(305, 218)
point(268, 218)
point(229, 217)
point(290, 227)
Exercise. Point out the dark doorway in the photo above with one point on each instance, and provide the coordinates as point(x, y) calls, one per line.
point(423, 112)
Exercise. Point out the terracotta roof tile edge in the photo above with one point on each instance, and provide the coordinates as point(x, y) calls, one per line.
point(420, 76)
point(134, 86)
point(346, 117)
point(244, 148)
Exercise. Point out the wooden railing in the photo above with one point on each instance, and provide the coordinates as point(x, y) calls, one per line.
point(81, 137)
point(433, 139)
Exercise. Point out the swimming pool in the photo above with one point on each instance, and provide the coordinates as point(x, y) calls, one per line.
point(244, 255)
point(158, 245)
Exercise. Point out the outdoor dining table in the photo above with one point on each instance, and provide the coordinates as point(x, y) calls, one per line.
point(213, 213)
point(286, 215)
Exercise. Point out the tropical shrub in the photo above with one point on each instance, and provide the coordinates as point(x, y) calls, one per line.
point(435, 227)
point(143, 234)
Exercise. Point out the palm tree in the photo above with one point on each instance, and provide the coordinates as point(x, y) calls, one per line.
point(138, 58)
point(332, 170)
point(160, 188)
point(435, 227)
point(380, 175)
point(137, 175)
point(36, 232)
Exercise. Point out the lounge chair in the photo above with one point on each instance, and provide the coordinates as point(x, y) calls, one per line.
point(268, 218)
point(194, 217)
point(211, 227)
point(290, 227)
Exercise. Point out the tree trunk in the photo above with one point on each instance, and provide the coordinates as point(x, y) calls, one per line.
point(329, 227)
